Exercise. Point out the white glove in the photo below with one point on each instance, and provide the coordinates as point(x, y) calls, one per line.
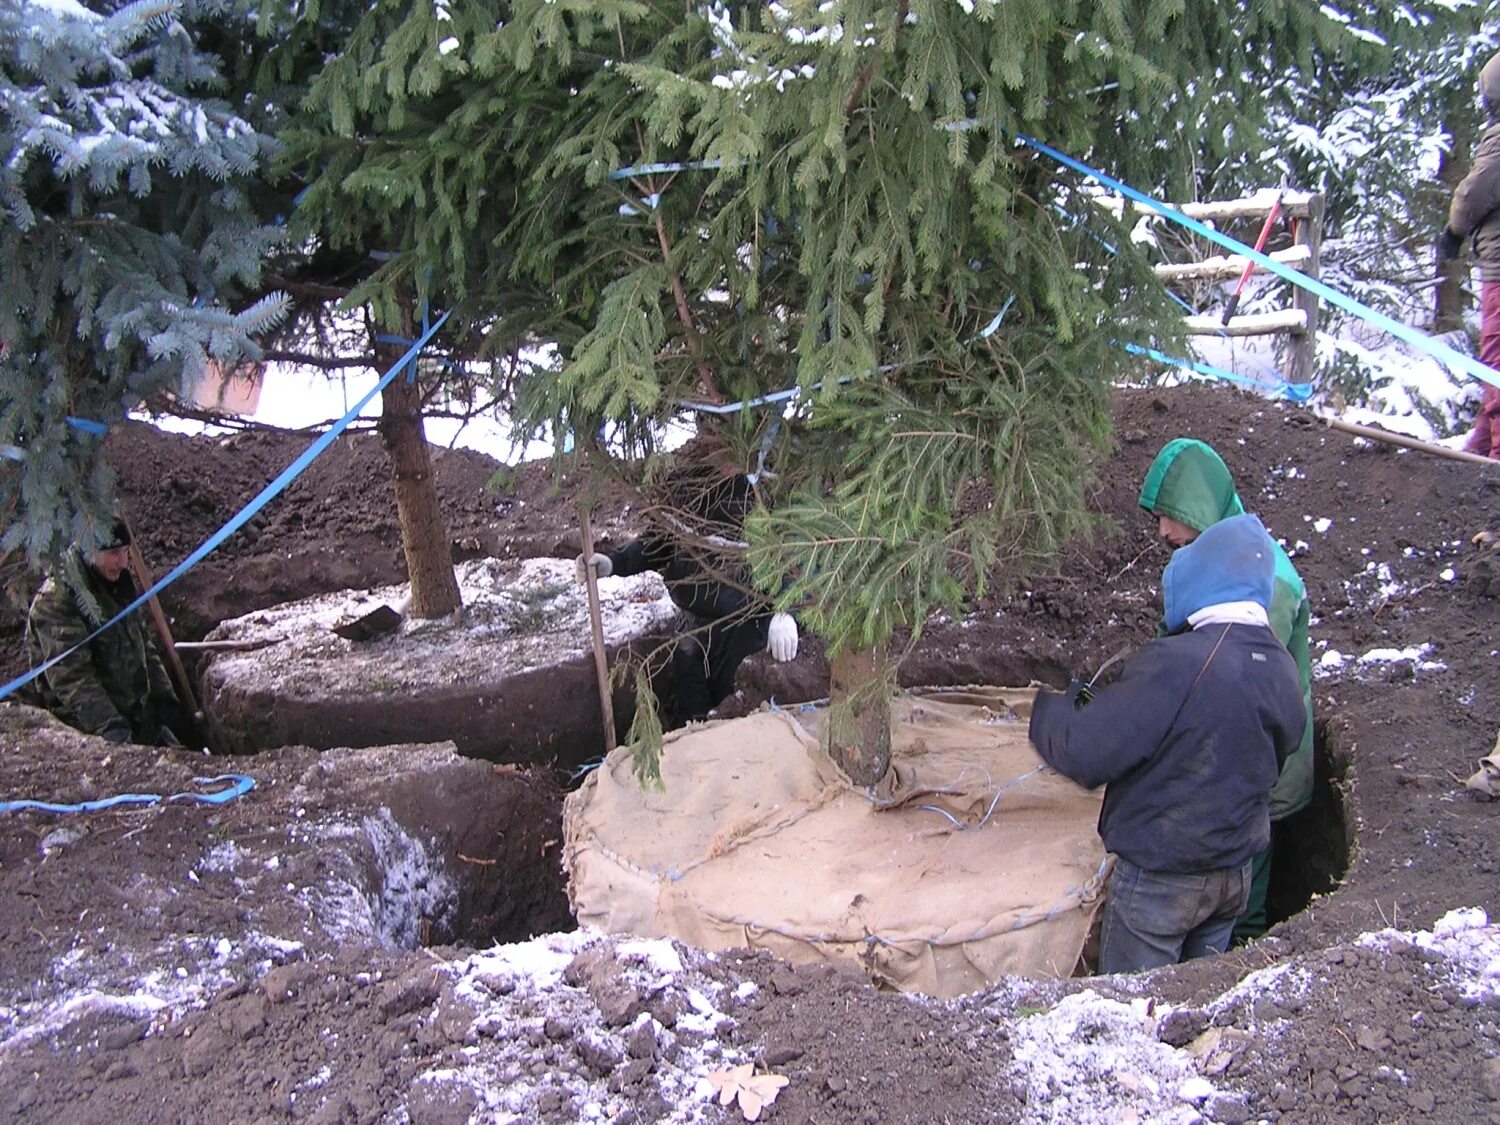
point(603, 568)
point(782, 642)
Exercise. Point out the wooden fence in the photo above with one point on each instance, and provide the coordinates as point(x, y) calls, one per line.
point(1303, 213)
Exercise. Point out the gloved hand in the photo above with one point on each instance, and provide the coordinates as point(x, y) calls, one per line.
point(603, 568)
point(1450, 245)
point(782, 641)
point(166, 737)
point(116, 733)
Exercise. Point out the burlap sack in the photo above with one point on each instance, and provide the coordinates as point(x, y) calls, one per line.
point(977, 862)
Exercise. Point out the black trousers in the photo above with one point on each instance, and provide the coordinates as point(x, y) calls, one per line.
point(708, 654)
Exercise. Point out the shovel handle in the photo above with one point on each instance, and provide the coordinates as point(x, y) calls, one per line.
point(1260, 244)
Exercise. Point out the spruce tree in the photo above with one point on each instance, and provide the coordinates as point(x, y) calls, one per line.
point(1383, 130)
point(127, 244)
point(727, 201)
point(401, 154)
point(844, 207)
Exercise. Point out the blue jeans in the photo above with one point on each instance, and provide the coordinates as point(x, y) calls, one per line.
point(1156, 918)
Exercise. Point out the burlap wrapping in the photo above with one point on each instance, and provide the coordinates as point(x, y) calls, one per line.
point(979, 863)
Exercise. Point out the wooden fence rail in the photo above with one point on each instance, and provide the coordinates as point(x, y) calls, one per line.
point(1299, 321)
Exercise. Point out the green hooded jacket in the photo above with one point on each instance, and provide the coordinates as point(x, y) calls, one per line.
point(117, 679)
point(1189, 482)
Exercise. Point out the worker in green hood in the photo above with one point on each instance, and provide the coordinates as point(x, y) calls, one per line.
point(1188, 489)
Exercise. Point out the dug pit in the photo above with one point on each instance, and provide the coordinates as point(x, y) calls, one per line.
point(511, 682)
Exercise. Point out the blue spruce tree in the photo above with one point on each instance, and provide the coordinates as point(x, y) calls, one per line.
point(127, 238)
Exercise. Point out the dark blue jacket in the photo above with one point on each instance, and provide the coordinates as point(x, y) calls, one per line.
point(1191, 737)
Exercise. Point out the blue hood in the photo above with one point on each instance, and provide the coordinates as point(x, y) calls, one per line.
point(1233, 560)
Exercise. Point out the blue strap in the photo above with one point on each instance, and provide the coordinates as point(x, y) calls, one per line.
point(244, 515)
point(402, 341)
point(239, 786)
point(1419, 340)
point(1296, 392)
point(87, 425)
point(654, 169)
point(990, 328)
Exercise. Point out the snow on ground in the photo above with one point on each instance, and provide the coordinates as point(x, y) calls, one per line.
point(1333, 662)
point(530, 996)
point(549, 1023)
point(546, 1028)
point(1093, 1059)
point(517, 615)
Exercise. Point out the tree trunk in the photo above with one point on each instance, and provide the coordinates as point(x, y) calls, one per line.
point(424, 534)
point(1453, 165)
point(859, 714)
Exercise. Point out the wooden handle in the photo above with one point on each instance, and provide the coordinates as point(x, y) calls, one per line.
point(596, 624)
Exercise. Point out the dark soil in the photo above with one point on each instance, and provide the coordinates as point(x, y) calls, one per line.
point(1370, 1032)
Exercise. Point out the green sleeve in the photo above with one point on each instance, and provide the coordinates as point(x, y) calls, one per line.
point(1290, 619)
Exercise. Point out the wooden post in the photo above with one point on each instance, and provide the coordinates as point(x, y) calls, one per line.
point(596, 627)
point(179, 674)
point(1302, 351)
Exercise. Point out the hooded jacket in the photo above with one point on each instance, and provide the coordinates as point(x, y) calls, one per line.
point(118, 678)
point(1190, 738)
point(1475, 209)
point(1190, 482)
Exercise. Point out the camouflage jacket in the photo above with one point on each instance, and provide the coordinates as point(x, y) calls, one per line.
point(118, 678)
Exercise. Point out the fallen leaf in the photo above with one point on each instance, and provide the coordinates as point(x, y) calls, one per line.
point(754, 1091)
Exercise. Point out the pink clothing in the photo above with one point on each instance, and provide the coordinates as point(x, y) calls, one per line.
point(1485, 440)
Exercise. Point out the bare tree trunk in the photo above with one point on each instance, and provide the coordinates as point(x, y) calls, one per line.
point(1448, 295)
point(424, 534)
point(859, 714)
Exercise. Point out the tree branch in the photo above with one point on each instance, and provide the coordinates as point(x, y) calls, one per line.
point(324, 363)
point(862, 83)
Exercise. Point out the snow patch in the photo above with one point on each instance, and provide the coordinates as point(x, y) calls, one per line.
point(517, 615)
point(1468, 944)
point(520, 997)
point(1333, 661)
point(1092, 1059)
point(407, 886)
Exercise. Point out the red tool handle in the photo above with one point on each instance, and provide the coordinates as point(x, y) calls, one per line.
point(1260, 244)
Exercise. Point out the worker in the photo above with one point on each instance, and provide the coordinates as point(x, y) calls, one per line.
point(1474, 215)
point(694, 541)
point(1188, 489)
point(1187, 743)
point(114, 685)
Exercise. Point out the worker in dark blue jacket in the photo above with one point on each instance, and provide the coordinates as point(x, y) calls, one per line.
point(1188, 743)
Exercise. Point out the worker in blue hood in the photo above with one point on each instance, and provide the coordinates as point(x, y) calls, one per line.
point(1188, 488)
point(1187, 743)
